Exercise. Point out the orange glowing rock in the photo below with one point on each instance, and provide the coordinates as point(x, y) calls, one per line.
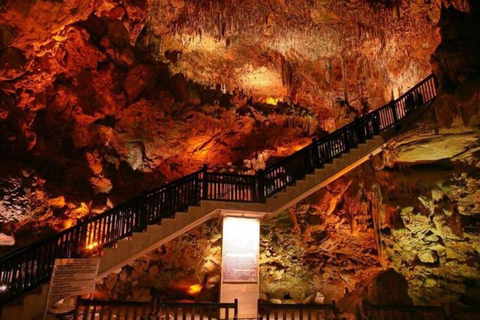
point(195, 289)
point(273, 101)
point(57, 203)
point(82, 210)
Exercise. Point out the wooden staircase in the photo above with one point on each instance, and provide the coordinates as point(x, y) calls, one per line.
point(140, 243)
point(154, 218)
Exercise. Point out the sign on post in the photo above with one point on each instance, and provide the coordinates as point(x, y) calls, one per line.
point(72, 277)
point(241, 238)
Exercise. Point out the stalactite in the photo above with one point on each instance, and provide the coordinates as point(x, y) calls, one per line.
point(345, 81)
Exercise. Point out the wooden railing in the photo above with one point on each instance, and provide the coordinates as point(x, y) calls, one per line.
point(28, 267)
point(269, 311)
point(129, 310)
point(202, 310)
point(403, 312)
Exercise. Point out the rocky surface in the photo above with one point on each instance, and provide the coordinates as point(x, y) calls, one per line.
point(185, 268)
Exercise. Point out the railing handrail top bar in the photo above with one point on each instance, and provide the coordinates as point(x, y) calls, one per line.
point(409, 91)
point(230, 174)
point(168, 184)
point(93, 219)
point(40, 242)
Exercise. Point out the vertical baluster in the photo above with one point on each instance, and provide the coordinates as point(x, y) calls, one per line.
point(424, 94)
point(36, 265)
point(191, 192)
point(103, 230)
point(175, 199)
point(106, 229)
point(135, 312)
point(86, 311)
point(163, 204)
point(110, 311)
point(427, 90)
point(184, 313)
point(126, 220)
point(101, 312)
point(126, 313)
point(277, 178)
point(180, 196)
point(210, 311)
point(24, 269)
point(158, 205)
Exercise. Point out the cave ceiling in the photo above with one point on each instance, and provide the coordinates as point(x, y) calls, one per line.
point(301, 50)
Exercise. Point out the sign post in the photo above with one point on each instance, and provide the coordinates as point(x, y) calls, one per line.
point(71, 277)
point(240, 249)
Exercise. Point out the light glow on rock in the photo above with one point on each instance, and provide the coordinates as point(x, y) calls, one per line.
point(194, 289)
point(273, 101)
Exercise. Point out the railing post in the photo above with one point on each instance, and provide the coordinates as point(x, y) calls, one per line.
point(376, 123)
point(261, 185)
point(335, 310)
point(82, 241)
point(316, 156)
point(235, 313)
point(359, 129)
point(205, 182)
point(394, 111)
point(143, 218)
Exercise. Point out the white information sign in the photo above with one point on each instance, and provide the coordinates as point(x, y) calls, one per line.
point(72, 277)
point(241, 238)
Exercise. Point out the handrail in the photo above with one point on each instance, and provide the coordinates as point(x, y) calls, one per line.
point(30, 266)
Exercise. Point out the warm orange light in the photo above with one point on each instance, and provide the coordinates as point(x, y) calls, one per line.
point(195, 289)
point(92, 245)
point(273, 101)
point(67, 224)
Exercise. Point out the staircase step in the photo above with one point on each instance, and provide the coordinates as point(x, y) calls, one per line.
point(301, 184)
point(154, 228)
point(124, 246)
point(194, 209)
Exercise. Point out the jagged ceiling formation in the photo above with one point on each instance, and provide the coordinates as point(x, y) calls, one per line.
point(300, 50)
